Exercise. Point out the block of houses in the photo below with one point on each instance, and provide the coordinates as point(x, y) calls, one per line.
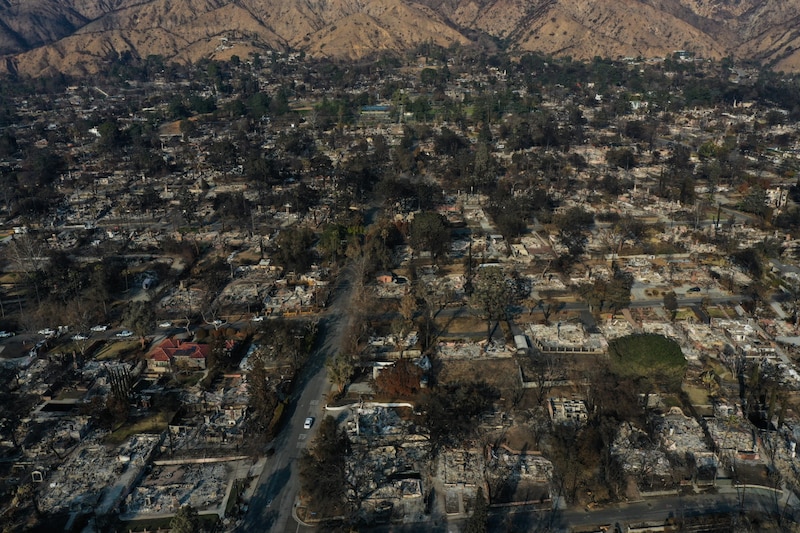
point(175, 353)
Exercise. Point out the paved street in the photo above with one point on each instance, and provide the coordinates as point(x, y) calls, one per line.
point(271, 506)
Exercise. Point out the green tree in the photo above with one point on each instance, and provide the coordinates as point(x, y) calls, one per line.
point(98, 293)
point(139, 317)
point(258, 105)
point(323, 469)
point(641, 130)
point(490, 296)
point(619, 290)
point(262, 397)
point(751, 261)
point(428, 76)
point(293, 249)
point(330, 242)
point(8, 144)
point(621, 158)
point(340, 370)
point(234, 207)
point(478, 520)
point(449, 142)
point(430, 232)
point(755, 202)
point(177, 109)
point(708, 150)
point(186, 520)
point(671, 303)
point(111, 137)
point(485, 168)
point(613, 294)
point(188, 129)
point(63, 277)
point(573, 226)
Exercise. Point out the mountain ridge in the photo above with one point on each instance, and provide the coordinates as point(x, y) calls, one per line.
point(39, 37)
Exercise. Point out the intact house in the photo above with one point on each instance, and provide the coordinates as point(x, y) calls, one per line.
point(174, 353)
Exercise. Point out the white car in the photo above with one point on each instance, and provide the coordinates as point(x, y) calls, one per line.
point(166, 324)
point(100, 327)
point(257, 318)
point(5, 334)
point(47, 332)
point(125, 333)
point(308, 423)
point(79, 337)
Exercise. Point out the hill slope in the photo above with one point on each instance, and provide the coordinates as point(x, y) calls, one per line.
point(81, 36)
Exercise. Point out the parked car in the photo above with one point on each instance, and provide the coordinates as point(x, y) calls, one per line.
point(694, 289)
point(257, 318)
point(47, 332)
point(125, 333)
point(165, 324)
point(79, 337)
point(99, 327)
point(308, 423)
point(5, 334)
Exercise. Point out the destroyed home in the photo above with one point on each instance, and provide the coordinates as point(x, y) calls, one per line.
point(567, 411)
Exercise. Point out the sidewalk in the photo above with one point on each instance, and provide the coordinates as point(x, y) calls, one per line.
point(255, 472)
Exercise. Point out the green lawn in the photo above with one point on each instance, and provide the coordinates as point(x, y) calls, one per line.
point(117, 350)
point(209, 523)
point(654, 358)
point(238, 487)
point(697, 395)
point(152, 424)
point(716, 312)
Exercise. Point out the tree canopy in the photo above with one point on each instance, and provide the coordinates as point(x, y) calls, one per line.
point(573, 226)
point(340, 370)
point(450, 411)
point(262, 398)
point(323, 468)
point(491, 294)
point(671, 303)
point(139, 317)
point(293, 248)
point(186, 520)
point(478, 520)
point(430, 232)
point(613, 294)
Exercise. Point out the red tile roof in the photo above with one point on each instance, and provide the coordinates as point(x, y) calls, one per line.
point(172, 347)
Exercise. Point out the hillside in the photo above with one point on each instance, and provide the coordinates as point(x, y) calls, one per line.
point(80, 37)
